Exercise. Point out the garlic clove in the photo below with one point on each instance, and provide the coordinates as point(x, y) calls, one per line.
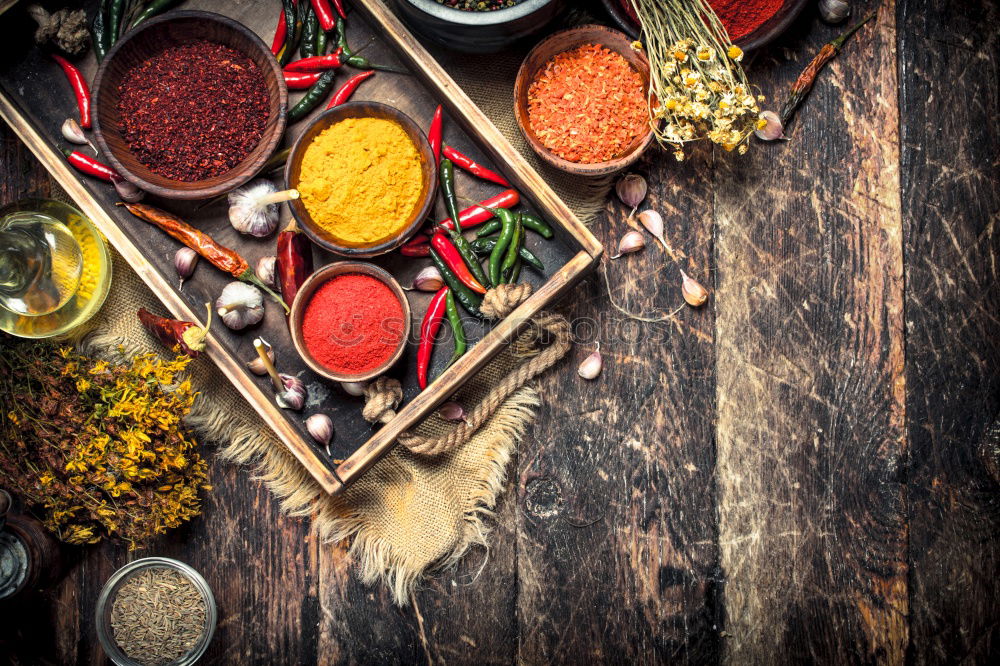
point(73, 133)
point(185, 261)
point(356, 389)
point(240, 305)
point(834, 11)
point(265, 270)
point(294, 394)
point(452, 411)
point(653, 223)
point(592, 365)
point(693, 291)
point(632, 241)
point(129, 192)
point(428, 279)
point(256, 366)
point(631, 189)
point(320, 426)
point(772, 128)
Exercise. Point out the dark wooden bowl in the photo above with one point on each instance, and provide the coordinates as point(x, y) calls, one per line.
point(293, 168)
point(552, 46)
point(318, 279)
point(152, 36)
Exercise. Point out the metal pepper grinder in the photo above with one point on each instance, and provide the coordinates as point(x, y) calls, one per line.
point(29, 556)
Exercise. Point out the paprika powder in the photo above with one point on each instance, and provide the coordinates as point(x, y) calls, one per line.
point(353, 324)
point(741, 17)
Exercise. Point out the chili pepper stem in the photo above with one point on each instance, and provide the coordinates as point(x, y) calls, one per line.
point(838, 42)
point(197, 335)
point(265, 360)
point(251, 277)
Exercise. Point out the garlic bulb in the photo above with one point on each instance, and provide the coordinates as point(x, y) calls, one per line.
point(253, 208)
point(591, 366)
point(834, 11)
point(428, 279)
point(692, 290)
point(265, 270)
point(631, 189)
point(240, 305)
point(771, 128)
point(256, 366)
point(630, 242)
point(185, 261)
point(320, 426)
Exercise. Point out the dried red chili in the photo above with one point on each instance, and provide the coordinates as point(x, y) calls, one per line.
point(588, 104)
point(193, 111)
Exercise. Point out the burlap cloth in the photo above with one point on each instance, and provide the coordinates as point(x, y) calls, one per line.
point(410, 513)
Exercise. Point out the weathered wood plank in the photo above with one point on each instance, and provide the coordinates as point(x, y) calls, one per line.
point(951, 203)
point(617, 552)
point(811, 441)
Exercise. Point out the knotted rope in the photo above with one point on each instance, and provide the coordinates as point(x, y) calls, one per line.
point(383, 395)
point(501, 300)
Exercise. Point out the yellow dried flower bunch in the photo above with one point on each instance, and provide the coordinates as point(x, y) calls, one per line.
point(698, 89)
point(99, 448)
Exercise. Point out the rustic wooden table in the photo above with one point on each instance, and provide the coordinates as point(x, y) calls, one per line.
point(804, 470)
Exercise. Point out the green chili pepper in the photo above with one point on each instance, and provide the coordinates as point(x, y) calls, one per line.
point(293, 30)
point(455, 319)
point(447, 177)
point(510, 256)
point(536, 224)
point(509, 222)
point(310, 26)
point(486, 245)
point(313, 97)
point(275, 161)
point(115, 11)
point(489, 228)
point(447, 173)
point(468, 298)
point(515, 272)
point(320, 41)
point(340, 33)
point(99, 32)
point(154, 8)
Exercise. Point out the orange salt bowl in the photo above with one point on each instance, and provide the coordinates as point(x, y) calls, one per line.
point(305, 296)
point(535, 62)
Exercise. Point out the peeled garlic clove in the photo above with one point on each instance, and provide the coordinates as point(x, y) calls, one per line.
point(631, 189)
point(294, 394)
point(356, 389)
point(591, 366)
point(653, 223)
point(185, 260)
point(240, 305)
point(129, 192)
point(693, 292)
point(320, 426)
point(452, 411)
point(429, 279)
point(834, 11)
point(73, 133)
point(256, 366)
point(265, 270)
point(630, 242)
point(772, 128)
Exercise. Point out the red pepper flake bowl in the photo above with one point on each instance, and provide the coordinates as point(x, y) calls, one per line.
point(355, 324)
point(151, 39)
point(535, 63)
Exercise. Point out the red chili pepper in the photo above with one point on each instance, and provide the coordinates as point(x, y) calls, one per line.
point(449, 254)
point(416, 249)
point(324, 14)
point(478, 170)
point(88, 165)
point(279, 34)
point(316, 63)
point(434, 134)
point(301, 80)
point(174, 332)
point(428, 331)
point(350, 85)
point(340, 8)
point(294, 262)
point(475, 215)
point(79, 88)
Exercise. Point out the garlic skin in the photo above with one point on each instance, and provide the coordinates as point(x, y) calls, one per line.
point(653, 223)
point(834, 11)
point(253, 208)
point(772, 129)
point(72, 132)
point(693, 291)
point(240, 305)
point(428, 279)
point(632, 241)
point(294, 394)
point(185, 261)
point(357, 389)
point(265, 270)
point(256, 365)
point(592, 365)
point(320, 426)
point(452, 411)
point(631, 189)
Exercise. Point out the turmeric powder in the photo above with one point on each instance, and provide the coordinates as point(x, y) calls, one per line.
point(361, 180)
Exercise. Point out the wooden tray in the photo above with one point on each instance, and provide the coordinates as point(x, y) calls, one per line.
point(35, 99)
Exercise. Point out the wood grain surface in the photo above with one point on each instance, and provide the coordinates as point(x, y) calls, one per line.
point(805, 470)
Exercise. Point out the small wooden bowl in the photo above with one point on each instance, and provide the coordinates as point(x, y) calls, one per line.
point(177, 27)
point(293, 169)
point(321, 277)
point(552, 46)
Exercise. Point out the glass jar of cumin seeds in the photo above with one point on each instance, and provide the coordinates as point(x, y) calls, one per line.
point(154, 612)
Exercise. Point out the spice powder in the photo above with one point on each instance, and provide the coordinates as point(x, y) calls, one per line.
point(588, 105)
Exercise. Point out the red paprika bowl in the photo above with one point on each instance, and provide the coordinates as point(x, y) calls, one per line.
point(317, 280)
point(172, 28)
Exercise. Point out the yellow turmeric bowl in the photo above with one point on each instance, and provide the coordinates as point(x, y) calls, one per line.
point(367, 178)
